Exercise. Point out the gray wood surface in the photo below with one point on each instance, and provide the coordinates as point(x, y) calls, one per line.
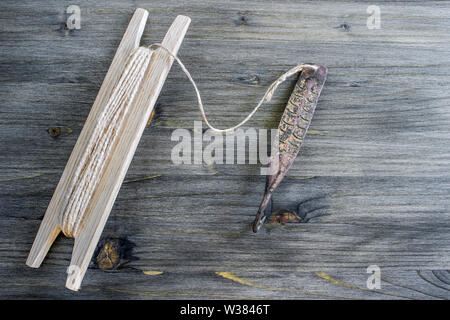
point(372, 178)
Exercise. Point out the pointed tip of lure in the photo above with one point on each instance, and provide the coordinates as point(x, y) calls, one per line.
point(259, 221)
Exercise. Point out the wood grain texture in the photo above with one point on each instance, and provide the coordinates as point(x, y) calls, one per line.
point(371, 179)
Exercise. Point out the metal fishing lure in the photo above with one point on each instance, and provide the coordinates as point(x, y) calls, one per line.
point(292, 129)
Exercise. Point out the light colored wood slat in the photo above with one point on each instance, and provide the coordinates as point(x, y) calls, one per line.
point(129, 135)
point(50, 225)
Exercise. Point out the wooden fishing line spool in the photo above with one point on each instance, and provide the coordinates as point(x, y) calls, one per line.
point(91, 180)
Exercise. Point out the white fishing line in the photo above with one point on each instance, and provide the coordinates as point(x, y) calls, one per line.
point(266, 98)
point(93, 161)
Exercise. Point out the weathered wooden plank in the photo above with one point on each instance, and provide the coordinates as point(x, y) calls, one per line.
point(136, 284)
point(372, 176)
